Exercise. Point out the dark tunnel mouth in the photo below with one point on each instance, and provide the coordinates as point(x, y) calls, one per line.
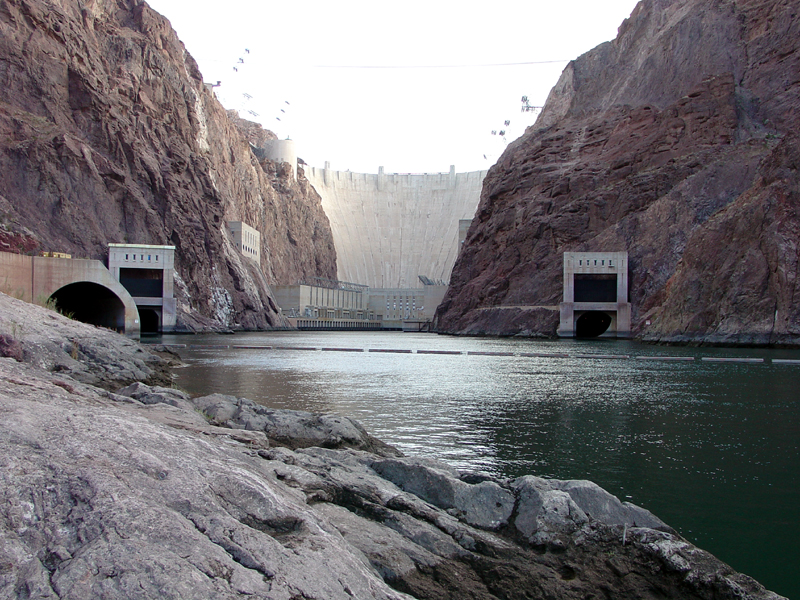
point(149, 320)
point(592, 324)
point(90, 303)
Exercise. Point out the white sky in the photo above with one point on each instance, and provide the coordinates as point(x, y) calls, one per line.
point(405, 119)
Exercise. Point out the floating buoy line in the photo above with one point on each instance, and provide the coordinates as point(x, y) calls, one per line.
point(498, 353)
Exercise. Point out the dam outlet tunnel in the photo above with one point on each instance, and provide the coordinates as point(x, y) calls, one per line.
point(592, 287)
point(592, 324)
point(91, 303)
point(150, 320)
point(145, 283)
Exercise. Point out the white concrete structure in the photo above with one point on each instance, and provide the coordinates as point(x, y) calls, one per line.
point(390, 228)
point(282, 151)
point(246, 239)
point(396, 306)
point(595, 295)
point(324, 304)
point(148, 273)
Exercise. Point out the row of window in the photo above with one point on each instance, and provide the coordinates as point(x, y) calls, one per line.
point(314, 324)
point(141, 257)
point(331, 314)
point(602, 263)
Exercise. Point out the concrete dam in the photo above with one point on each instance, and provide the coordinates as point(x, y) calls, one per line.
point(389, 229)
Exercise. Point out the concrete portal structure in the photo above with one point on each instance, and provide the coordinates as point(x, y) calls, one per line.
point(81, 287)
point(595, 295)
point(390, 228)
point(246, 239)
point(148, 273)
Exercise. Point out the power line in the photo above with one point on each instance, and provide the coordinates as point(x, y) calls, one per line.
point(515, 64)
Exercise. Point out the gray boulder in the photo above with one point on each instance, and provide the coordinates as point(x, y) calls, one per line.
point(157, 395)
point(545, 515)
point(549, 509)
point(484, 504)
point(291, 428)
point(597, 503)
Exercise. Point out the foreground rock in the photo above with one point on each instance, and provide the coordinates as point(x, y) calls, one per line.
point(146, 493)
point(677, 143)
point(92, 355)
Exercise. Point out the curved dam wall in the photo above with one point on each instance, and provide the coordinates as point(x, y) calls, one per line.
point(390, 228)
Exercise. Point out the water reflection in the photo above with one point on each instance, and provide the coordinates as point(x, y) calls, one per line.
point(712, 448)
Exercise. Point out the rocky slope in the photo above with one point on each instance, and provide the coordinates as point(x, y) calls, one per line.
point(108, 134)
point(143, 492)
point(674, 142)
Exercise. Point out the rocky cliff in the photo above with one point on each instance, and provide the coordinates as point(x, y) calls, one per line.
point(108, 134)
point(110, 490)
point(675, 142)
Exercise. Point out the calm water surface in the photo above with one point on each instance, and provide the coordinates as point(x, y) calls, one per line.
point(711, 448)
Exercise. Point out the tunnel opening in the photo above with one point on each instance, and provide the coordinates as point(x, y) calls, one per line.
point(143, 283)
point(592, 324)
point(91, 303)
point(150, 321)
point(595, 288)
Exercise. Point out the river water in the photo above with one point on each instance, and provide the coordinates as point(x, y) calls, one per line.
point(713, 448)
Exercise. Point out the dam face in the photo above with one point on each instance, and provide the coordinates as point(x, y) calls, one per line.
point(389, 229)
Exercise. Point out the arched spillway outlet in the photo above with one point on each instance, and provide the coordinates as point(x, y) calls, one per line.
point(591, 324)
point(90, 303)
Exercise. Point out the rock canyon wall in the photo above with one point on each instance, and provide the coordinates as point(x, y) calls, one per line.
point(108, 134)
point(676, 143)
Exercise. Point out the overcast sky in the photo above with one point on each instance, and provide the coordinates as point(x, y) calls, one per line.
point(412, 86)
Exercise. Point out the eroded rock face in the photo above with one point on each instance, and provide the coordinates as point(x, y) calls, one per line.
point(291, 428)
point(675, 143)
point(108, 134)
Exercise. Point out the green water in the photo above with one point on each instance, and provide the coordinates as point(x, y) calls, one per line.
point(711, 448)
